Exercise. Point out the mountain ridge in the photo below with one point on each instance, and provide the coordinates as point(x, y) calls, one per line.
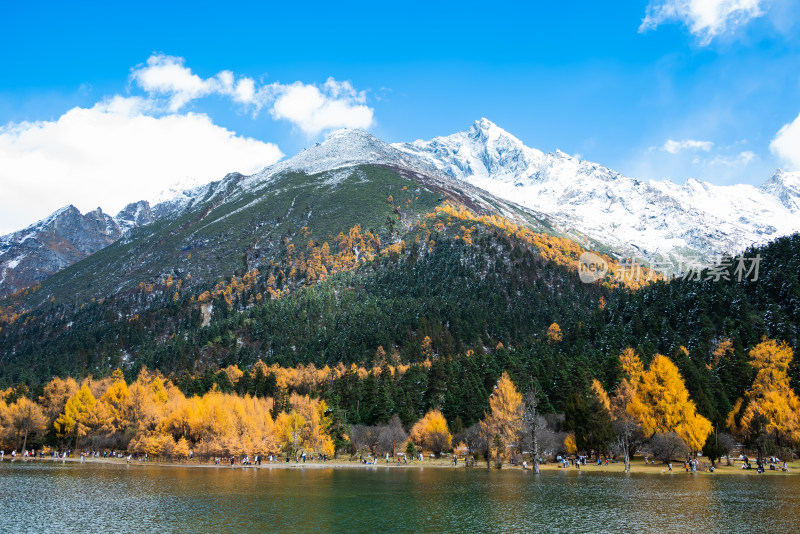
point(658, 221)
point(33, 254)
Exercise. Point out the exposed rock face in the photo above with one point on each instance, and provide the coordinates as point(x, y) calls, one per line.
point(31, 255)
point(134, 215)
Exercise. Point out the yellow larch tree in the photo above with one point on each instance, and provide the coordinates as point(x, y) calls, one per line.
point(55, 395)
point(601, 394)
point(569, 444)
point(74, 420)
point(554, 334)
point(431, 432)
point(770, 406)
point(631, 365)
point(115, 400)
point(25, 419)
point(289, 431)
point(504, 419)
point(662, 404)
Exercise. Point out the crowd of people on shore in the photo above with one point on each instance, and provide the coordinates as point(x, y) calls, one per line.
point(690, 465)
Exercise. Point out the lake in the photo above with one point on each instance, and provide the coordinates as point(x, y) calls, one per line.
point(72, 497)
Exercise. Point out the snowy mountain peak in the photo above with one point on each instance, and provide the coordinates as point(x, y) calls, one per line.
point(650, 219)
point(784, 186)
point(342, 148)
point(484, 150)
point(486, 129)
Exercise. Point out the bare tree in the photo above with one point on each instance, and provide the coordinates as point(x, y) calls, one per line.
point(551, 441)
point(628, 430)
point(667, 445)
point(391, 435)
point(365, 437)
point(532, 423)
point(629, 435)
point(472, 437)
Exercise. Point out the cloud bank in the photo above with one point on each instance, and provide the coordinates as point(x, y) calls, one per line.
point(127, 148)
point(111, 154)
point(310, 108)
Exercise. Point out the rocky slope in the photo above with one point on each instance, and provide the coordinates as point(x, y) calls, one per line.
point(35, 253)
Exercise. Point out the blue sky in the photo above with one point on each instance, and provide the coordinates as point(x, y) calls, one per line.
point(106, 103)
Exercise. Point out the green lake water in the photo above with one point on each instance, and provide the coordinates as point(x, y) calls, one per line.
point(53, 497)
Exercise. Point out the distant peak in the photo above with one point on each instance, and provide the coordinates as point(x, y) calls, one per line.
point(484, 124)
point(485, 130)
point(69, 208)
point(95, 214)
point(783, 177)
point(348, 133)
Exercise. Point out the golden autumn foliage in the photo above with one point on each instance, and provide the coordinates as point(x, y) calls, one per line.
point(20, 421)
point(431, 432)
point(216, 424)
point(570, 444)
point(600, 393)
point(631, 365)
point(151, 416)
point(662, 404)
point(722, 349)
point(76, 418)
point(770, 406)
point(55, 395)
point(505, 412)
point(559, 250)
point(427, 347)
point(554, 333)
point(622, 398)
point(317, 422)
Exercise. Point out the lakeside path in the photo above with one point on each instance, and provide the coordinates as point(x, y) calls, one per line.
point(637, 466)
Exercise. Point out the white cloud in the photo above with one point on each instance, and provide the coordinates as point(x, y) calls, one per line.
point(786, 144)
point(310, 108)
point(675, 147)
point(114, 153)
point(167, 76)
point(705, 18)
point(314, 110)
point(125, 149)
point(739, 160)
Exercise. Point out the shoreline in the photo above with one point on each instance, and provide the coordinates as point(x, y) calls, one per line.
point(637, 467)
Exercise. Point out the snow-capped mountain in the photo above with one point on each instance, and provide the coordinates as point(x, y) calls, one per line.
point(487, 169)
point(42, 249)
point(650, 219)
point(333, 159)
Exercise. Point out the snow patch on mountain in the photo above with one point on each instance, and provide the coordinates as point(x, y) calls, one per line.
point(344, 148)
